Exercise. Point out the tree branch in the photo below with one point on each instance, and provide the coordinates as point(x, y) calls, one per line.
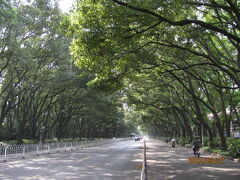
point(179, 23)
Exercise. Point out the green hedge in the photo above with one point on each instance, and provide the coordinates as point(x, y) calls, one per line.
point(216, 142)
point(29, 141)
point(234, 147)
point(183, 140)
point(232, 143)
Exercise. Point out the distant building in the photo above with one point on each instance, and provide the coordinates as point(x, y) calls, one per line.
point(235, 130)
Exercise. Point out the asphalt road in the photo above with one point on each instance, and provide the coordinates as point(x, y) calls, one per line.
point(165, 162)
point(116, 161)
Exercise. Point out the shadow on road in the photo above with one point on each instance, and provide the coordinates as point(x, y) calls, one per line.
point(115, 162)
point(165, 162)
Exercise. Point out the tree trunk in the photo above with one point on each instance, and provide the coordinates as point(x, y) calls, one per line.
point(221, 134)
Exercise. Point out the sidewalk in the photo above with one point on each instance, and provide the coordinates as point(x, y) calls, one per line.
point(165, 162)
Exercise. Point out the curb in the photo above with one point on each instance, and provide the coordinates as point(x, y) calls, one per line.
point(226, 157)
point(223, 156)
point(218, 155)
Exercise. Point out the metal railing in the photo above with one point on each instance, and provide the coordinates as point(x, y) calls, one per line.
point(144, 165)
point(21, 151)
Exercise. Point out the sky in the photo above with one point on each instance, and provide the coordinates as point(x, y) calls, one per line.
point(65, 5)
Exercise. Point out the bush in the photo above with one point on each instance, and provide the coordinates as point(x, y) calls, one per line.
point(183, 140)
point(232, 143)
point(188, 145)
point(206, 141)
point(12, 142)
point(206, 148)
point(30, 141)
point(234, 147)
point(216, 142)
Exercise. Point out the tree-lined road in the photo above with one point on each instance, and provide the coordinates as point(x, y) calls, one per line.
point(119, 160)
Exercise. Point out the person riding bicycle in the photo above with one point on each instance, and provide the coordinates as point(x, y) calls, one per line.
point(196, 145)
point(173, 142)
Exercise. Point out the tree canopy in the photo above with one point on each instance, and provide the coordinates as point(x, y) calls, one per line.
point(42, 92)
point(109, 67)
point(177, 61)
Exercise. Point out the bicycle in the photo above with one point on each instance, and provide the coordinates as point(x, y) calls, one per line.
point(196, 152)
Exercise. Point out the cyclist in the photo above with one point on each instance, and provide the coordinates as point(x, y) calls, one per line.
point(196, 145)
point(173, 142)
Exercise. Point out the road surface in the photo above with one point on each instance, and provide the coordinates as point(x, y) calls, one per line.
point(116, 161)
point(165, 162)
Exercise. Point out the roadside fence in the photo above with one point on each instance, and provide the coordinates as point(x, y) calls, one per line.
point(22, 151)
